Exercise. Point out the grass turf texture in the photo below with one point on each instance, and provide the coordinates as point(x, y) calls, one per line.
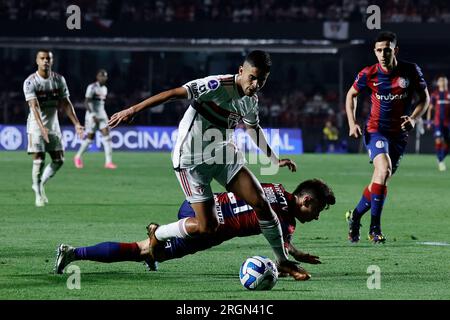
point(95, 205)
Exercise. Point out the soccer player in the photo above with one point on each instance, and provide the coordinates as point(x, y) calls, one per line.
point(440, 102)
point(393, 84)
point(45, 91)
point(96, 119)
point(219, 103)
point(236, 219)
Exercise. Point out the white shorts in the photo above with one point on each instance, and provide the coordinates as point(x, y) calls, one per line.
point(37, 144)
point(196, 180)
point(91, 126)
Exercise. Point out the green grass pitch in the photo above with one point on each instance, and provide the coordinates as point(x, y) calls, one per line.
point(95, 205)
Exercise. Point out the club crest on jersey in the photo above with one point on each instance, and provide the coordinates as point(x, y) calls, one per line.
point(233, 120)
point(403, 82)
point(379, 144)
point(213, 84)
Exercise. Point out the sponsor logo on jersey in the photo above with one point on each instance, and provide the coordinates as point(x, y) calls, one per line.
point(403, 82)
point(218, 210)
point(196, 90)
point(390, 96)
point(28, 86)
point(213, 84)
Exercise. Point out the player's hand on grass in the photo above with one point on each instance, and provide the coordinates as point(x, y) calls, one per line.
point(408, 123)
point(122, 116)
point(288, 163)
point(44, 132)
point(80, 130)
point(355, 131)
point(307, 258)
point(293, 269)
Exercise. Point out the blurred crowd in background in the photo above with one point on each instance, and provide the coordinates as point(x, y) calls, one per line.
point(397, 11)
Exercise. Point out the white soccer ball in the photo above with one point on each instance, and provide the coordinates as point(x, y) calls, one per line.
point(258, 273)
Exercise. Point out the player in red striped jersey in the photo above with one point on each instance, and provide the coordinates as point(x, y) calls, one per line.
point(205, 151)
point(393, 84)
point(440, 103)
point(236, 219)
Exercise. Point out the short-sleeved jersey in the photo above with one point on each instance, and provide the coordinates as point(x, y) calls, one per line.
point(216, 106)
point(391, 94)
point(238, 219)
point(48, 93)
point(440, 100)
point(97, 94)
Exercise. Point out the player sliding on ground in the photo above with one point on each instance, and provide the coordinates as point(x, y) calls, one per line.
point(204, 151)
point(394, 84)
point(236, 219)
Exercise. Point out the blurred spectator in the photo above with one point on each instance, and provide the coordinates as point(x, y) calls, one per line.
point(245, 11)
point(330, 137)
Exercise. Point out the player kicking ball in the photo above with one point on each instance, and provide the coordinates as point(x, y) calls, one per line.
point(394, 84)
point(96, 119)
point(236, 219)
point(204, 151)
point(45, 91)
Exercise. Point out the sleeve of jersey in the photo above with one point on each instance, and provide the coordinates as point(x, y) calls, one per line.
point(29, 90)
point(420, 83)
point(360, 82)
point(89, 92)
point(202, 88)
point(64, 90)
point(252, 118)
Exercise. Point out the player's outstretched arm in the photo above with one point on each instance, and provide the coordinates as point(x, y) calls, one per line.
point(68, 108)
point(127, 115)
point(409, 122)
point(302, 256)
point(257, 135)
point(35, 108)
point(350, 108)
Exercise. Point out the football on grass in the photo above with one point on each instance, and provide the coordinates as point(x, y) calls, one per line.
point(258, 273)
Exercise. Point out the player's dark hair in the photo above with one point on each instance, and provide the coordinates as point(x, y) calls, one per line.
point(387, 36)
point(259, 59)
point(102, 71)
point(317, 189)
point(43, 50)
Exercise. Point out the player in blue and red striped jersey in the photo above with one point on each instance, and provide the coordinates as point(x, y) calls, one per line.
point(440, 103)
point(236, 219)
point(393, 84)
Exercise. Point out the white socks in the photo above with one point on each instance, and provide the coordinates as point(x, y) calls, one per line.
point(271, 229)
point(36, 172)
point(84, 146)
point(108, 148)
point(51, 169)
point(175, 229)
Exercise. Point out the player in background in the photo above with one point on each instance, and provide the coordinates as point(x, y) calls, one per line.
point(440, 103)
point(219, 103)
point(96, 119)
point(236, 219)
point(393, 84)
point(45, 91)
